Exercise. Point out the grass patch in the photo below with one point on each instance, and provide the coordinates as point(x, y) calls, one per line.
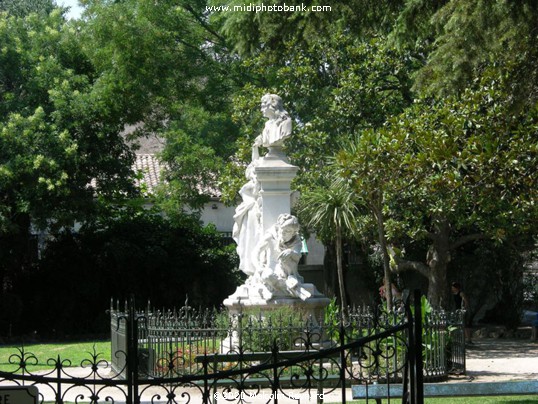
point(484, 400)
point(467, 400)
point(42, 356)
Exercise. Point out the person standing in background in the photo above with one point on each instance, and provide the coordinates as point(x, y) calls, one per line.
point(461, 302)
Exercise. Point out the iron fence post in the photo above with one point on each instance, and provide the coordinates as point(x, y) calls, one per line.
point(464, 355)
point(418, 368)
point(129, 360)
point(342, 358)
point(132, 354)
point(59, 399)
point(205, 398)
point(320, 383)
point(408, 378)
point(276, 380)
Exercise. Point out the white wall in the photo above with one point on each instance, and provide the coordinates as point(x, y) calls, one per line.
point(220, 215)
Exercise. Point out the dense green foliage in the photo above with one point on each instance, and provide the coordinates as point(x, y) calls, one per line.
point(55, 135)
point(466, 38)
point(21, 8)
point(333, 87)
point(63, 161)
point(432, 172)
point(174, 75)
point(333, 210)
point(134, 254)
point(61, 156)
point(460, 170)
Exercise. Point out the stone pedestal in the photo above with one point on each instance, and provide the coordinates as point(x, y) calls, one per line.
point(243, 298)
point(275, 174)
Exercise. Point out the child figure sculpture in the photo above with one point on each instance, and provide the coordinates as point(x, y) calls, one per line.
point(276, 258)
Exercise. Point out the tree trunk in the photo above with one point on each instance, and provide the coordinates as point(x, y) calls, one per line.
point(340, 269)
point(329, 270)
point(386, 259)
point(438, 258)
point(436, 267)
point(438, 287)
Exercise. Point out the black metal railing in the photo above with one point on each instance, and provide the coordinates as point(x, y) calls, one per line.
point(321, 361)
point(182, 335)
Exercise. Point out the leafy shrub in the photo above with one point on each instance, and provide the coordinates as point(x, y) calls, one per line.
point(144, 255)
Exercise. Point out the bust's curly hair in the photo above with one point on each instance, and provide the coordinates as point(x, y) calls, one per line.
point(278, 106)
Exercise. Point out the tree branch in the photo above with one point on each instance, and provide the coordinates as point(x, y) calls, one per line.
point(203, 23)
point(398, 264)
point(404, 265)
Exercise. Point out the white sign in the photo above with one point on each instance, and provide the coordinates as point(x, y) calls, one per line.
point(18, 395)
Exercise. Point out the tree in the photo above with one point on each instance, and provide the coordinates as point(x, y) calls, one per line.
point(331, 210)
point(464, 38)
point(60, 149)
point(131, 252)
point(21, 8)
point(253, 33)
point(336, 84)
point(461, 170)
point(367, 159)
point(337, 91)
point(334, 87)
point(174, 75)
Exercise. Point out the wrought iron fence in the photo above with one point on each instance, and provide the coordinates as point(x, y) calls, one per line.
point(190, 363)
point(455, 342)
point(183, 334)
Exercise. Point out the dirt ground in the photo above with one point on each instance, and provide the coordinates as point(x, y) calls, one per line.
point(501, 359)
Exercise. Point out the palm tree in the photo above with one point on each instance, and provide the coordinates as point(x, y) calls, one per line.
point(331, 211)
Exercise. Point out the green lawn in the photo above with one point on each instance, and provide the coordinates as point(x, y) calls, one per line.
point(468, 400)
point(484, 400)
point(47, 354)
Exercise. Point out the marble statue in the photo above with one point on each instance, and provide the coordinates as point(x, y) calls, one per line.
point(276, 258)
point(247, 229)
point(247, 219)
point(278, 126)
point(267, 235)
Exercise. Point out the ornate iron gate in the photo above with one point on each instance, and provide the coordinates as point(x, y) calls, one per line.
point(393, 355)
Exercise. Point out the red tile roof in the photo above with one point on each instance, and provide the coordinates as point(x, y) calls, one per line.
point(150, 168)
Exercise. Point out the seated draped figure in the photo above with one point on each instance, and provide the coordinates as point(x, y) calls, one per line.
point(276, 259)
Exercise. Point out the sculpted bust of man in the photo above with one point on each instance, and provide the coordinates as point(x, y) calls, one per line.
point(278, 126)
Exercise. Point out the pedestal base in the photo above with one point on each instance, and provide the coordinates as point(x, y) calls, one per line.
point(247, 300)
point(244, 298)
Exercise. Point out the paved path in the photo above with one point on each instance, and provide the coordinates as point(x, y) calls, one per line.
point(501, 360)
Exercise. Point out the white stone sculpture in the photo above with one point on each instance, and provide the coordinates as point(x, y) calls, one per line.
point(247, 227)
point(267, 235)
point(276, 258)
point(278, 126)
